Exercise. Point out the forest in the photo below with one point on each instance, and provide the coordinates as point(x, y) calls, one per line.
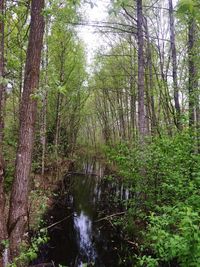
point(100, 151)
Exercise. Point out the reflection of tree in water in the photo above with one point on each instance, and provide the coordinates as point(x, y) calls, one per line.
point(78, 240)
point(84, 212)
point(83, 226)
point(83, 191)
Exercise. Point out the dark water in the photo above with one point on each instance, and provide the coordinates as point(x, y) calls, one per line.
point(78, 235)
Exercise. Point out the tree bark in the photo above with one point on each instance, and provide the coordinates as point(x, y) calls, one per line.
point(44, 129)
point(132, 90)
point(193, 81)
point(3, 230)
point(150, 81)
point(19, 195)
point(57, 122)
point(142, 127)
point(174, 65)
point(44, 99)
point(59, 103)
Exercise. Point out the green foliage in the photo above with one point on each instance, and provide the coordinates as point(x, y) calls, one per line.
point(147, 261)
point(175, 234)
point(164, 177)
point(38, 201)
point(4, 244)
point(189, 9)
point(27, 255)
point(10, 145)
point(186, 6)
point(116, 6)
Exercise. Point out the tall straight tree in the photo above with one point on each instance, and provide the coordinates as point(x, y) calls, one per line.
point(174, 64)
point(142, 127)
point(193, 80)
point(19, 195)
point(3, 232)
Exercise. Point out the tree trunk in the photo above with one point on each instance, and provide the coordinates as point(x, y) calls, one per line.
point(3, 230)
point(44, 100)
point(150, 81)
point(141, 105)
point(44, 130)
point(193, 81)
point(132, 89)
point(19, 195)
point(174, 65)
point(57, 126)
point(59, 103)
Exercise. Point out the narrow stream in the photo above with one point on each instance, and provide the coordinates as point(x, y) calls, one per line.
point(79, 236)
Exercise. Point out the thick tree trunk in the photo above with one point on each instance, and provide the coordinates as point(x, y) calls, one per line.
point(142, 127)
point(28, 108)
point(3, 230)
point(174, 65)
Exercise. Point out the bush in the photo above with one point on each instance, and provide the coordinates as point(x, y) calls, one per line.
point(164, 177)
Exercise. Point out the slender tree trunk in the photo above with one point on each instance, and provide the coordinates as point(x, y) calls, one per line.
point(44, 130)
point(58, 119)
point(132, 90)
point(2, 71)
point(120, 115)
point(150, 81)
point(3, 230)
point(44, 101)
point(193, 82)
point(21, 75)
point(174, 65)
point(141, 97)
point(106, 129)
point(59, 103)
point(28, 109)
point(198, 124)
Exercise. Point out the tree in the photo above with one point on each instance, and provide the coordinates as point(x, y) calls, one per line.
point(28, 109)
point(174, 64)
point(142, 124)
point(193, 80)
point(3, 232)
point(66, 72)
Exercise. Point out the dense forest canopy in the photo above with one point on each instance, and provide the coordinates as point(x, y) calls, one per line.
point(137, 104)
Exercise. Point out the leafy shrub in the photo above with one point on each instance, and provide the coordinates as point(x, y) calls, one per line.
point(164, 177)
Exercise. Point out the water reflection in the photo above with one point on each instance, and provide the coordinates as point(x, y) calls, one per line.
point(83, 226)
point(85, 198)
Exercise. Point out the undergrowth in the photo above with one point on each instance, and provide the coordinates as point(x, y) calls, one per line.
point(164, 208)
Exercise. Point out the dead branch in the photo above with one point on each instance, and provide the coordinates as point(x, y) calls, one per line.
point(110, 216)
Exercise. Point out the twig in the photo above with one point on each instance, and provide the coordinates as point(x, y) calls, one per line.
point(110, 216)
point(83, 173)
point(132, 243)
point(112, 224)
point(56, 223)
